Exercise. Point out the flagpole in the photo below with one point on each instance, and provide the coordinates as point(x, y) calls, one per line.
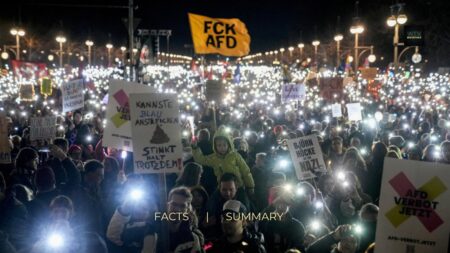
point(131, 36)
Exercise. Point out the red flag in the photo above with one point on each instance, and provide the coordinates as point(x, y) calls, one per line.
point(210, 73)
point(29, 70)
point(194, 67)
point(373, 87)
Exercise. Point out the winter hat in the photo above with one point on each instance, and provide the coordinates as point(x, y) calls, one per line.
point(234, 206)
point(278, 129)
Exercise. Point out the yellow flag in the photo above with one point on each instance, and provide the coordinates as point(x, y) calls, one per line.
point(228, 37)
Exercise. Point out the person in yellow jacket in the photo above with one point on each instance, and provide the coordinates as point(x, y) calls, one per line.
point(226, 160)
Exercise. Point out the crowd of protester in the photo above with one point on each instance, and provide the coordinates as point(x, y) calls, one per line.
point(71, 194)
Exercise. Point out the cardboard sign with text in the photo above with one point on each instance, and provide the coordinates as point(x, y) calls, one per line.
point(336, 110)
point(354, 111)
point(72, 95)
point(307, 157)
point(156, 132)
point(292, 92)
point(117, 132)
point(414, 213)
point(42, 128)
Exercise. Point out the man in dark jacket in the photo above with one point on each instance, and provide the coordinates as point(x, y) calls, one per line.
point(285, 233)
point(13, 218)
point(208, 180)
point(236, 238)
point(261, 174)
point(88, 200)
point(44, 180)
point(228, 190)
point(184, 236)
point(60, 162)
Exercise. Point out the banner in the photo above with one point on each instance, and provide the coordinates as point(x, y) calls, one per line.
point(42, 128)
point(156, 132)
point(348, 81)
point(307, 156)
point(331, 88)
point(26, 91)
point(117, 133)
point(72, 95)
point(228, 37)
point(369, 73)
point(336, 110)
point(28, 71)
point(5, 147)
point(46, 86)
point(414, 213)
point(292, 92)
point(354, 111)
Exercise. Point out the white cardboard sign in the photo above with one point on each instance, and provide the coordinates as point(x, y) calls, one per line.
point(414, 213)
point(117, 132)
point(72, 95)
point(307, 157)
point(156, 132)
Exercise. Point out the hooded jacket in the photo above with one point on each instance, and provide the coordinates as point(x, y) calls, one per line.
point(232, 162)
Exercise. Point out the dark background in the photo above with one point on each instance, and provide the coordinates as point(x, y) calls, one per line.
point(271, 24)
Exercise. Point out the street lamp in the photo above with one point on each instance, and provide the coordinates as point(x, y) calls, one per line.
point(315, 43)
point(371, 58)
point(396, 21)
point(281, 51)
point(417, 57)
point(123, 49)
point(338, 39)
point(61, 40)
point(18, 32)
point(301, 46)
point(290, 51)
point(109, 46)
point(356, 30)
point(89, 44)
point(5, 55)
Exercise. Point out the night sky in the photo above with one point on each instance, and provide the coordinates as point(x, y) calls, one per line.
point(271, 24)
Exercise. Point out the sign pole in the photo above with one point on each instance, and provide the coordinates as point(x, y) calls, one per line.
point(162, 185)
point(131, 36)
